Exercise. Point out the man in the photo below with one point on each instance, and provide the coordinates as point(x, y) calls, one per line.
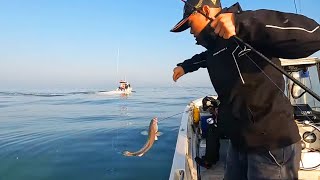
point(254, 112)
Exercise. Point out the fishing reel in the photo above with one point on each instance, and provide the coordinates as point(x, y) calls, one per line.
point(310, 143)
point(308, 122)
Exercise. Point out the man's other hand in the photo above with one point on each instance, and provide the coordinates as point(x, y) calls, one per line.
point(177, 73)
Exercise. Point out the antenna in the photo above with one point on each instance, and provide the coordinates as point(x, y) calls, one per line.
point(295, 6)
point(118, 61)
point(300, 10)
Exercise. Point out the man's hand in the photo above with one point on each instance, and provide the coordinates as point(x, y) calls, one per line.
point(224, 25)
point(177, 73)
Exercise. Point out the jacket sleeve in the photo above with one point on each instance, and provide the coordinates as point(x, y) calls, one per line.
point(279, 34)
point(196, 62)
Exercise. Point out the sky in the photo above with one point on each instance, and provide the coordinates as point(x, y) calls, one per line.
point(73, 44)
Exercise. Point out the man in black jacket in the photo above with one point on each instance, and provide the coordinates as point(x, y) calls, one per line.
point(254, 112)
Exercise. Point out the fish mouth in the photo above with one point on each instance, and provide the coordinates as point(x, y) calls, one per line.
point(155, 120)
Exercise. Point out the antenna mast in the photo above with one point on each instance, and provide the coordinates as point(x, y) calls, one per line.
point(118, 61)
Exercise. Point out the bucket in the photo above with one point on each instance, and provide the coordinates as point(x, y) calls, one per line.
point(204, 124)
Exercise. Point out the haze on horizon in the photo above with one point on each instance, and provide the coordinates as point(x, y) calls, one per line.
point(74, 44)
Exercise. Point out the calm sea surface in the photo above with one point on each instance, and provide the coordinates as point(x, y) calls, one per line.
point(81, 135)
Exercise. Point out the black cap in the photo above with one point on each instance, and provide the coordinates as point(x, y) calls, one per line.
point(188, 10)
point(208, 102)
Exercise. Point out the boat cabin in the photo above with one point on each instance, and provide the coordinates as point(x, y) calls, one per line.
point(124, 85)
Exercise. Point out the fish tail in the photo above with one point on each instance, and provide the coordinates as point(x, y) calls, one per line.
point(127, 153)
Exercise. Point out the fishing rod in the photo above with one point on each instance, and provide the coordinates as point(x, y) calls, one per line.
point(237, 39)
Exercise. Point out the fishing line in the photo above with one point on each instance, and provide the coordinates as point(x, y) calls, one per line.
point(162, 119)
point(236, 38)
point(310, 82)
point(306, 123)
point(126, 124)
point(295, 6)
point(195, 89)
point(295, 98)
point(124, 127)
point(280, 69)
point(300, 10)
point(283, 93)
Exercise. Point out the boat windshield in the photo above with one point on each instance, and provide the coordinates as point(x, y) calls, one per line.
point(307, 74)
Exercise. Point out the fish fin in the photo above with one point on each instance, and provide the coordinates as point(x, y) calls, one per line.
point(156, 138)
point(159, 133)
point(145, 133)
point(140, 155)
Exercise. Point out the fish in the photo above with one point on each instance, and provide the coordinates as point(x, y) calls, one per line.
point(152, 136)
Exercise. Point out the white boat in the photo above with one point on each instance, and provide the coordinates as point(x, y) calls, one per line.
point(124, 88)
point(190, 143)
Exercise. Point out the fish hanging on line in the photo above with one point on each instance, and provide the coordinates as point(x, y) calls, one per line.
point(152, 136)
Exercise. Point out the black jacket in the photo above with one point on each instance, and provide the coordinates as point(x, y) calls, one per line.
point(257, 114)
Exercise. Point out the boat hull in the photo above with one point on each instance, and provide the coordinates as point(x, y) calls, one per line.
point(115, 92)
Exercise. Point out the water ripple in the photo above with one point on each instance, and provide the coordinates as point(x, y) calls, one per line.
point(66, 135)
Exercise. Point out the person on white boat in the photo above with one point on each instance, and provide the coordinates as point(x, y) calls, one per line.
point(212, 136)
point(123, 86)
point(254, 112)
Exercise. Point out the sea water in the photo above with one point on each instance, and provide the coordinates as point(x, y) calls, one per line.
point(81, 135)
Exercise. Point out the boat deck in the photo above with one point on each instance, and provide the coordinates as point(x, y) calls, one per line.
point(216, 172)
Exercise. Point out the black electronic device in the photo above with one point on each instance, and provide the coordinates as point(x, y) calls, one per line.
point(304, 112)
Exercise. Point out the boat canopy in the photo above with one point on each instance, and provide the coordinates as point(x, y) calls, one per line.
point(303, 61)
